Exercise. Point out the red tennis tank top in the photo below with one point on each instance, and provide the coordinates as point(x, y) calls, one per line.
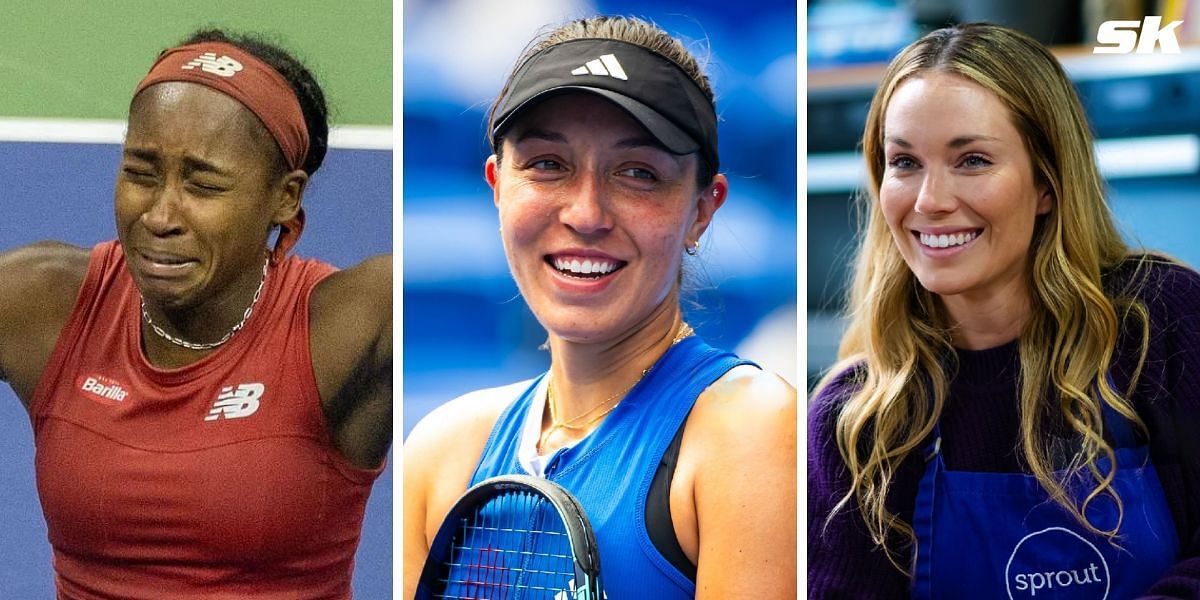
point(216, 480)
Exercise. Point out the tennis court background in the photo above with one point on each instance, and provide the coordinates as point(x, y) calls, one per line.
point(77, 60)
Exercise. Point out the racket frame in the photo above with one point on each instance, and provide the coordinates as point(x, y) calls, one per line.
point(580, 536)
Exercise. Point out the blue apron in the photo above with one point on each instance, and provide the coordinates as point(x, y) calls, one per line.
point(999, 535)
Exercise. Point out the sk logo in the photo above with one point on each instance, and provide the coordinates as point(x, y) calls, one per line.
point(236, 403)
point(1120, 37)
point(210, 63)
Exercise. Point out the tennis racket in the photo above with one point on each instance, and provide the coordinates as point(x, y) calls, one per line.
point(513, 537)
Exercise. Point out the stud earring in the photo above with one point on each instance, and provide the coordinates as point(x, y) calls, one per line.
point(693, 250)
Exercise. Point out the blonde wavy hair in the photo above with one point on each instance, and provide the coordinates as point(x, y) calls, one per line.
point(899, 340)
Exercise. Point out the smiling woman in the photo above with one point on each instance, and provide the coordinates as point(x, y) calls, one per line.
point(959, 196)
point(188, 368)
point(604, 173)
point(613, 181)
point(1013, 410)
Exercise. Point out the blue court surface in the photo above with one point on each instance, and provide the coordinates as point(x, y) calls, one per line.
point(63, 192)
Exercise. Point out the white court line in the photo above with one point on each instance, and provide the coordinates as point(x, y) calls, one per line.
point(103, 131)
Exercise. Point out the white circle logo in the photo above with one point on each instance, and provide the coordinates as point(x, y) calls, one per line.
point(1056, 563)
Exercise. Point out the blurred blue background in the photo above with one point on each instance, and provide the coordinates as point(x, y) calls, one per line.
point(1144, 110)
point(465, 326)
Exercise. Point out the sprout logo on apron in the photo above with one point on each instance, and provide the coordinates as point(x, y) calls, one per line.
point(991, 536)
point(1057, 563)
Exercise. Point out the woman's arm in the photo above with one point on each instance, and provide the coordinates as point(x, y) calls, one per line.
point(740, 447)
point(39, 284)
point(440, 455)
point(843, 562)
point(1175, 449)
point(1168, 400)
point(351, 333)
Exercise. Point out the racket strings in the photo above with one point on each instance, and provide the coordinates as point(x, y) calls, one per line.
point(513, 546)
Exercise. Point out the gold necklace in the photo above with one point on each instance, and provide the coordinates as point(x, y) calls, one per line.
point(685, 330)
point(225, 338)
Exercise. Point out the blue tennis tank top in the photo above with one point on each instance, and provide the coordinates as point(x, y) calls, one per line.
point(610, 470)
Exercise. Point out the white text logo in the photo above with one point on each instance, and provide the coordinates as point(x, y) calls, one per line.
point(103, 389)
point(1078, 570)
point(236, 403)
point(571, 593)
point(1120, 37)
point(210, 63)
point(605, 65)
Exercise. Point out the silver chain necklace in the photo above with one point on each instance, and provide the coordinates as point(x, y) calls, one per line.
point(209, 346)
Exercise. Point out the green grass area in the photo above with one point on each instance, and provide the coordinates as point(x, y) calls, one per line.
point(78, 59)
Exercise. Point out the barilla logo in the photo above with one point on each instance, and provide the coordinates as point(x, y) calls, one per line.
point(1056, 563)
point(1122, 37)
point(209, 62)
point(102, 389)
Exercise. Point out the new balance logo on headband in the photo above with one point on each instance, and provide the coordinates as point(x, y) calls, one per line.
point(605, 65)
point(210, 63)
point(236, 403)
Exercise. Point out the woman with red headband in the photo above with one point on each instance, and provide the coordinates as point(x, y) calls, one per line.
point(605, 174)
point(209, 412)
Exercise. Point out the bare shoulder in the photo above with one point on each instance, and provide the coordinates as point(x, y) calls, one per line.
point(350, 319)
point(361, 291)
point(739, 460)
point(44, 267)
point(440, 455)
point(742, 433)
point(455, 432)
point(40, 285)
point(372, 274)
point(748, 396)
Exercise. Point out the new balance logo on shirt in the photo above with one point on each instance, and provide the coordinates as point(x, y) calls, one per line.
point(210, 63)
point(605, 65)
point(236, 403)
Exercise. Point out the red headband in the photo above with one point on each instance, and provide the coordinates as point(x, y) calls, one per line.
point(260, 88)
point(243, 77)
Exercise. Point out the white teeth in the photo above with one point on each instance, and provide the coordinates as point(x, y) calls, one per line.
point(945, 241)
point(587, 267)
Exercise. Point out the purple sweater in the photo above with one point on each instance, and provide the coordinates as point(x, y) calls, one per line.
point(980, 427)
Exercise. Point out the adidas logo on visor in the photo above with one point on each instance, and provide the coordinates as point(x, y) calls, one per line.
point(606, 65)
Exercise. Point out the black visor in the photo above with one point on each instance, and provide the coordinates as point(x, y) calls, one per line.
point(647, 85)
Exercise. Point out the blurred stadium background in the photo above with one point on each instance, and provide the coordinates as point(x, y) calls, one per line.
point(66, 71)
point(1144, 110)
point(465, 326)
